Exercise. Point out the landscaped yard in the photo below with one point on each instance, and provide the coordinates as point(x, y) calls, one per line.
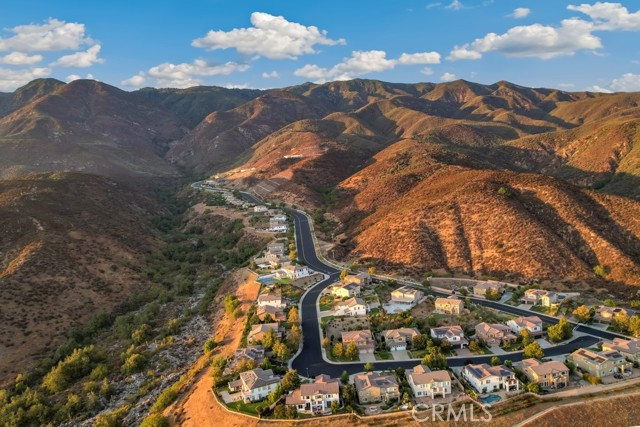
point(291, 292)
point(248, 408)
point(540, 309)
point(383, 355)
point(326, 302)
point(513, 346)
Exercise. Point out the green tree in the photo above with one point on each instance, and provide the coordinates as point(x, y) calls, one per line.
point(291, 380)
point(230, 304)
point(269, 339)
point(560, 332)
point(335, 407)
point(134, 363)
point(295, 337)
point(371, 270)
point(582, 314)
point(621, 321)
point(344, 377)
point(281, 351)
point(337, 350)
point(293, 255)
point(368, 367)
point(600, 271)
point(98, 373)
point(504, 192)
point(352, 351)
point(495, 361)
point(609, 302)
point(208, 346)
point(343, 274)
point(492, 294)
point(141, 334)
point(534, 351)
point(533, 388)
point(435, 360)
point(474, 347)
point(526, 337)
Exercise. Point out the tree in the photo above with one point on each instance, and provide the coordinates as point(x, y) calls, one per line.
point(534, 351)
point(293, 316)
point(293, 255)
point(526, 337)
point(344, 377)
point(609, 302)
point(495, 361)
point(155, 420)
point(335, 406)
point(492, 294)
point(338, 350)
point(230, 304)
point(268, 339)
point(208, 346)
point(281, 351)
point(473, 346)
point(504, 192)
point(295, 337)
point(561, 331)
point(621, 321)
point(600, 271)
point(368, 367)
point(352, 351)
point(582, 314)
point(634, 326)
point(291, 380)
point(371, 270)
point(533, 388)
point(134, 363)
point(326, 342)
point(343, 274)
point(435, 360)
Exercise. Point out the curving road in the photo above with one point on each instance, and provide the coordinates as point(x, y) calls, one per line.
point(309, 360)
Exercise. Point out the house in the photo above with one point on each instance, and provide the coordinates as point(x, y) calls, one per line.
point(272, 300)
point(363, 339)
point(453, 334)
point(279, 217)
point(256, 384)
point(373, 387)
point(275, 313)
point(252, 353)
point(552, 374)
point(260, 209)
point(346, 291)
point(277, 226)
point(294, 272)
point(316, 397)
point(481, 288)
point(361, 279)
point(494, 333)
point(276, 248)
point(600, 364)
point(606, 314)
point(531, 323)
point(399, 339)
point(486, 379)
point(257, 332)
point(427, 383)
point(449, 306)
point(628, 348)
point(539, 297)
point(406, 295)
point(351, 307)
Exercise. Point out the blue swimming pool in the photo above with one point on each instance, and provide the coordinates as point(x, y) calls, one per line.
point(492, 398)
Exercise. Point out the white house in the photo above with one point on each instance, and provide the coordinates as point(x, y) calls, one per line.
point(260, 209)
point(316, 397)
point(425, 383)
point(272, 300)
point(256, 384)
point(351, 307)
point(406, 295)
point(532, 323)
point(279, 217)
point(486, 379)
point(293, 271)
point(453, 334)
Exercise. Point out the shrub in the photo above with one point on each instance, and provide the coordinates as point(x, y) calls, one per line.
point(155, 420)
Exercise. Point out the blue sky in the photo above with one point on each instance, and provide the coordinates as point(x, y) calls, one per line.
point(262, 44)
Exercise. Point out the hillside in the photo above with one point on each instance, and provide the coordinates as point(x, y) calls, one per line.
point(71, 246)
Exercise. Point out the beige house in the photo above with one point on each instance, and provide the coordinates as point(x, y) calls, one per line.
point(480, 289)
point(427, 383)
point(453, 334)
point(449, 305)
point(606, 314)
point(275, 313)
point(406, 295)
point(494, 333)
point(272, 300)
point(552, 374)
point(539, 297)
point(316, 397)
point(360, 279)
point(399, 339)
point(486, 379)
point(531, 323)
point(600, 364)
point(258, 332)
point(346, 291)
point(628, 348)
point(352, 307)
point(363, 339)
point(373, 387)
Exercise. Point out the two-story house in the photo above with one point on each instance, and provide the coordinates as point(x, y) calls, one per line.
point(352, 307)
point(360, 279)
point(346, 291)
point(531, 323)
point(539, 297)
point(606, 314)
point(373, 387)
point(449, 306)
point(427, 383)
point(481, 288)
point(406, 295)
point(399, 339)
point(486, 379)
point(275, 313)
point(272, 300)
point(552, 374)
point(363, 339)
point(453, 334)
point(257, 332)
point(315, 397)
point(494, 333)
point(600, 364)
point(628, 348)
point(256, 384)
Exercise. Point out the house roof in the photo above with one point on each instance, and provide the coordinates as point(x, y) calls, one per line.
point(527, 322)
point(262, 328)
point(351, 302)
point(624, 346)
point(449, 331)
point(544, 368)
point(597, 358)
point(373, 379)
point(422, 375)
point(269, 297)
point(270, 310)
point(258, 378)
point(393, 334)
point(323, 384)
point(484, 371)
point(492, 328)
point(449, 301)
point(364, 334)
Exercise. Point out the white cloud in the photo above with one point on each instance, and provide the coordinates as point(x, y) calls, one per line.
point(50, 36)
point(19, 58)
point(455, 5)
point(627, 83)
point(271, 36)
point(596, 88)
point(183, 75)
point(540, 41)
point(427, 71)
point(448, 77)
point(72, 77)
point(610, 16)
point(419, 58)
point(272, 75)
point(81, 59)
point(238, 86)
point(521, 12)
point(433, 5)
point(11, 79)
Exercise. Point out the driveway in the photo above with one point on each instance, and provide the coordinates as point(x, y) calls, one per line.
point(497, 350)
point(463, 352)
point(368, 358)
point(229, 398)
point(400, 355)
point(544, 343)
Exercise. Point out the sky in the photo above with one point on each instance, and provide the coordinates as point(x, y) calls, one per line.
point(561, 44)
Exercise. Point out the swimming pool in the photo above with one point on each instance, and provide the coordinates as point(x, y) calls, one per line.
point(492, 398)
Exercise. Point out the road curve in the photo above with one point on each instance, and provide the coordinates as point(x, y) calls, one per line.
point(309, 360)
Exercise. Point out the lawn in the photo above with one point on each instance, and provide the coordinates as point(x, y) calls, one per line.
point(513, 346)
point(383, 355)
point(326, 303)
point(540, 309)
point(339, 359)
point(417, 354)
point(291, 292)
point(247, 408)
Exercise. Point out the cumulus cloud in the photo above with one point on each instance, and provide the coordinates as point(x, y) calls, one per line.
point(81, 59)
point(540, 41)
point(271, 36)
point(448, 77)
point(11, 79)
point(272, 75)
point(455, 5)
point(183, 75)
point(521, 12)
point(609, 16)
point(596, 88)
point(72, 77)
point(20, 58)
point(419, 58)
point(51, 36)
point(629, 82)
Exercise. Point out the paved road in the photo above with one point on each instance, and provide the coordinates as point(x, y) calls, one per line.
point(310, 362)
